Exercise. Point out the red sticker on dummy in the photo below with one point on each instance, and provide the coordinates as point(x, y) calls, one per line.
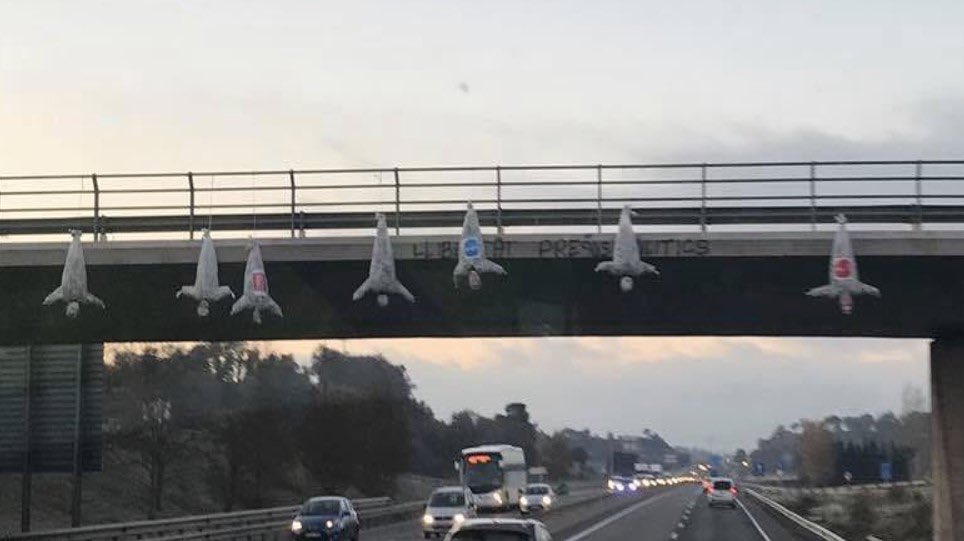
point(843, 268)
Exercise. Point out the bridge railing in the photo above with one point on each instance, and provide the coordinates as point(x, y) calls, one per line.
point(700, 195)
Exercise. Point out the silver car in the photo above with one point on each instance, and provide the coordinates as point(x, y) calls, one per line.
point(500, 529)
point(537, 497)
point(721, 492)
point(447, 507)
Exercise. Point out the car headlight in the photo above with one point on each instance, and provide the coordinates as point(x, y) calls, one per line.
point(296, 526)
point(619, 486)
point(610, 484)
point(546, 500)
point(633, 486)
point(428, 519)
point(497, 497)
point(329, 524)
point(458, 518)
point(523, 501)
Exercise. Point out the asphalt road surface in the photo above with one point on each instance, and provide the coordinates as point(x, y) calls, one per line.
point(681, 514)
point(665, 514)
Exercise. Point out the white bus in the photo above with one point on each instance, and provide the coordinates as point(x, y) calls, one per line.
point(496, 475)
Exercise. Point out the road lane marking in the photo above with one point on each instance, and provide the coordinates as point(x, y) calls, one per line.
point(602, 524)
point(753, 520)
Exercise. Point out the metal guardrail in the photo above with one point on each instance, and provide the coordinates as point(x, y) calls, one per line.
point(697, 194)
point(813, 528)
point(278, 530)
point(840, 489)
point(200, 525)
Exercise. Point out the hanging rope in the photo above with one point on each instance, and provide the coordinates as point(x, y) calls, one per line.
point(80, 203)
point(254, 207)
point(211, 203)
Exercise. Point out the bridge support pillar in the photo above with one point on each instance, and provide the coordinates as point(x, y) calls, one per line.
point(947, 437)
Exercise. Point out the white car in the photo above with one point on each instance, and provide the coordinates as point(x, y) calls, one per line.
point(447, 507)
point(499, 529)
point(721, 491)
point(537, 497)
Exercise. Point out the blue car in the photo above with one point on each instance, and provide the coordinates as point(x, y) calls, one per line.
point(326, 518)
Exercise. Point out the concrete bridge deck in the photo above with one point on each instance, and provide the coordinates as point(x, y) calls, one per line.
point(710, 284)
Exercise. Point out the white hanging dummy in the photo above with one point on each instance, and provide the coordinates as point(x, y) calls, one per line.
point(255, 294)
point(844, 282)
point(206, 288)
point(73, 281)
point(472, 259)
point(381, 272)
point(626, 262)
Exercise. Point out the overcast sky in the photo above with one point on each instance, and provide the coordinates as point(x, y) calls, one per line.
point(135, 86)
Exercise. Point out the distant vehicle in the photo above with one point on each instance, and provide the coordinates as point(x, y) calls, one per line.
point(537, 497)
point(617, 484)
point(538, 474)
point(622, 475)
point(646, 480)
point(721, 491)
point(326, 517)
point(447, 507)
point(495, 474)
point(500, 529)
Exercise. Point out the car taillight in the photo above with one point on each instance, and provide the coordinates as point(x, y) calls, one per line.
point(733, 491)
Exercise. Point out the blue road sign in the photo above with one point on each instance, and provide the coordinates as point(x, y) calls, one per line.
point(886, 471)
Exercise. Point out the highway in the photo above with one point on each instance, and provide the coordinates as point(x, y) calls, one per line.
point(666, 514)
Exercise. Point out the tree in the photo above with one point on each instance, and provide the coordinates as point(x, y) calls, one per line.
point(818, 454)
point(580, 457)
point(360, 443)
point(556, 456)
point(515, 428)
point(156, 442)
point(156, 397)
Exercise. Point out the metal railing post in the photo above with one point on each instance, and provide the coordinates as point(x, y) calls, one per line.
point(703, 198)
point(398, 203)
point(93, 177)
point(190, 219)
point(920, 192)
point(599, 198)
point(291, 179)
point(498, 198)
point(813, 196)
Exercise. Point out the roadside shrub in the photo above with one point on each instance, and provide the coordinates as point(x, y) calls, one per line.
point(862, 515)
point(898, 494)
point(805, 504)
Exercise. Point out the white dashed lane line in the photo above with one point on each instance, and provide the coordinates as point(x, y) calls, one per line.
point(602, 524)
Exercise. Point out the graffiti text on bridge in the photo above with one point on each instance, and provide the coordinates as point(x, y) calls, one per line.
point(564, 248)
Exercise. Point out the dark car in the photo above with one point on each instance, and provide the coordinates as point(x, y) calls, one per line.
point(326, 518)
point(499, 529)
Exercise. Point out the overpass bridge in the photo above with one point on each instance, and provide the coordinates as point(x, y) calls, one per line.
point(737, 245)
point(710, 284)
